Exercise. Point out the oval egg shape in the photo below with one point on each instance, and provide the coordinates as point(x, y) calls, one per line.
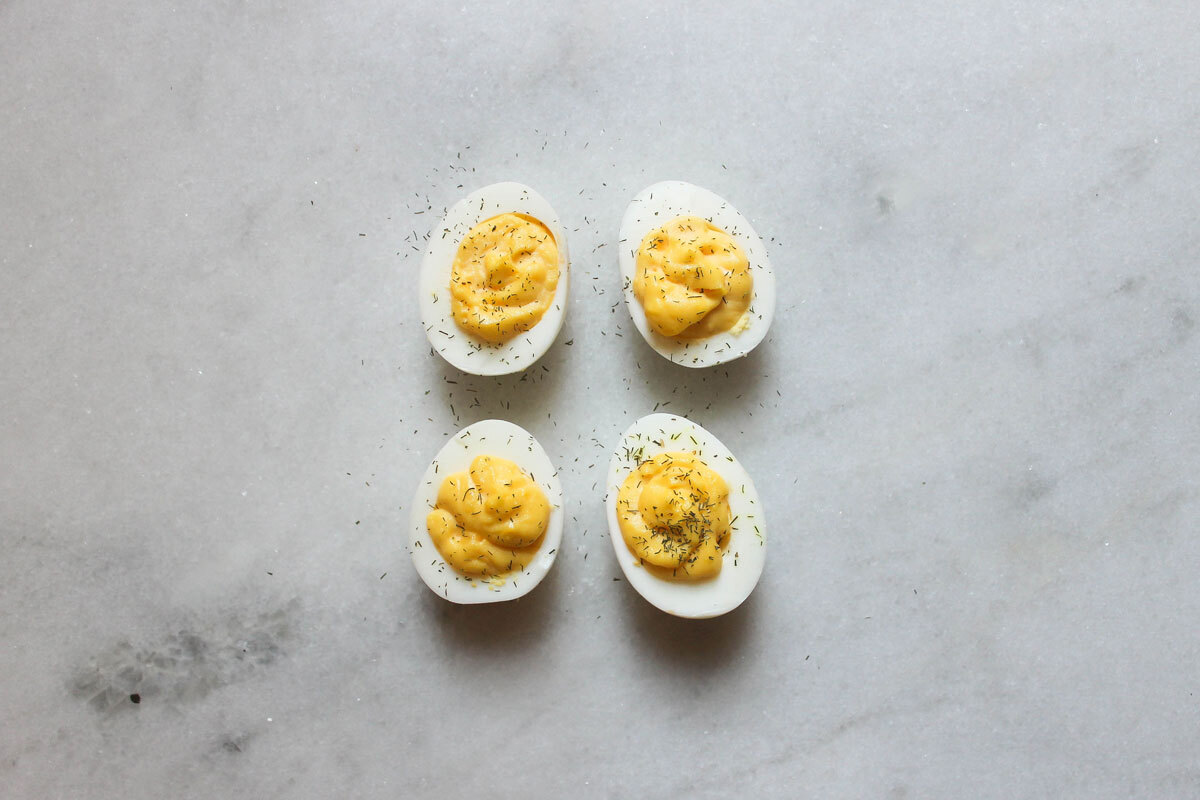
point(744, 554)
point(462, 349)
point(504, 440)
point(654, 207)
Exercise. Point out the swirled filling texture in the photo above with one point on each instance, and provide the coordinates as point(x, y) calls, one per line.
point(503, 277)
point(490, 519)
point(673, 511)
point(692, 279)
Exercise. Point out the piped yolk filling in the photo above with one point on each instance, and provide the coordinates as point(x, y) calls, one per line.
point(692, 279)
point(673, 511)
point(503, 278)
point(490, 519)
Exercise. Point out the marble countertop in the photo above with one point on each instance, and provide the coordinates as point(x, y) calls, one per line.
point(973, 426)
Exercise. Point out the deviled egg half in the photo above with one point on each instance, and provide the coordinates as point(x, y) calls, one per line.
point(494, 280)
point(684, 518)
point(487, 517)
point(696, 276)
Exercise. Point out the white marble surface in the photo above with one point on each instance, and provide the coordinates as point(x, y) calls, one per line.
point(974, 425)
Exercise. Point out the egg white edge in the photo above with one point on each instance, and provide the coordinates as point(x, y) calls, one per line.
point(437, 318)
point(487, 437)
point(640, 219)
point(745, 555)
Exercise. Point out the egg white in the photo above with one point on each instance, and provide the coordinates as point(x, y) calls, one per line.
point(658, 204)
point(451, 342)
point(488, 437)
point(745, 554)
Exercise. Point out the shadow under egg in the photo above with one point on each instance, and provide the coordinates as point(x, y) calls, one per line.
point(689, 645)
point(710, 392)
point(524, 398)
point(510, 628)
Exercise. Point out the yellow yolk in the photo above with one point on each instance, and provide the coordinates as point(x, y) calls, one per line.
point(673, 511)
point(490, 519)
point(692, 279)
point(504, 276)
